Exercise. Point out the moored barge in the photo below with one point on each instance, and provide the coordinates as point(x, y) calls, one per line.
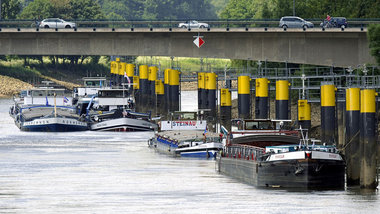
point(266, 154)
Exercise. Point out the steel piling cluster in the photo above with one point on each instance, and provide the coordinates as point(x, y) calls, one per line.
point(148, 90)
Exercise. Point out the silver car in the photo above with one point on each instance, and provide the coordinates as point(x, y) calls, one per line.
point(56, 23)
point(193, 24)
point(294, 22)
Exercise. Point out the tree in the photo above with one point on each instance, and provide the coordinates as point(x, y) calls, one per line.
point(374, 41)
point(85, 9)
point(10, 9)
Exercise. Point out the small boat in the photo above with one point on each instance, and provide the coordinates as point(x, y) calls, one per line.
point(265, 153)
point(186, 137)
point(112, 109)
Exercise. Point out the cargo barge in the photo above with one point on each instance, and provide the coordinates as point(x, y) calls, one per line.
point(265, 153)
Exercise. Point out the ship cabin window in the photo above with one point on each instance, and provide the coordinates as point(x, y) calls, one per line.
point(185, 115)
point(258, 125)
point(92, 83)
point(116, 93)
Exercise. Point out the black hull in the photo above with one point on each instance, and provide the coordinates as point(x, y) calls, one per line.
point(303, 174)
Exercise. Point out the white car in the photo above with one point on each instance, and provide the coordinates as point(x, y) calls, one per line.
point(193, 24)
point(56, 23)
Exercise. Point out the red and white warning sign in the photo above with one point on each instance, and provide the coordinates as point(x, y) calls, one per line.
point(198, 41)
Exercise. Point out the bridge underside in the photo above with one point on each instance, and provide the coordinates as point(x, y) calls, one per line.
point(314, 46)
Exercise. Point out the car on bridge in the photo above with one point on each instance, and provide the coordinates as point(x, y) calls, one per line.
point(56, 23)
point(294, 22)
point(193, 24)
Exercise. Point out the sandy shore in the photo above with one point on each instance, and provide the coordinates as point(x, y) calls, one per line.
point(10, 86)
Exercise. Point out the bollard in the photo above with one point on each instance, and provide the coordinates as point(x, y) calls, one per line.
point(328, 113)
point(174, 90)
point(282, 100)
point(152, 77)
point(352, 142)
point(368, 139)
point(117, 68)
point(201, 90)
point(225, 108)
point(166, 89)
point(244, 97)
point(160, 97)
point(304, 114)
point(262, 100)
point(210, 87)
point(113, 72)
point(136, 92)
point(144, 87)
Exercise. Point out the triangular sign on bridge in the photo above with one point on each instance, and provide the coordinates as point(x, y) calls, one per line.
point(199, 41)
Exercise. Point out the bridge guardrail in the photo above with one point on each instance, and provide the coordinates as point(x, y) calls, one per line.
point(258, 23)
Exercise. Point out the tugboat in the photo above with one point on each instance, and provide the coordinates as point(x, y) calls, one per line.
point(266, 153)
point(113, 110)
point(187, 136)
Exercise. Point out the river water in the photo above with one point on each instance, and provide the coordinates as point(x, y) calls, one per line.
point(101, 172)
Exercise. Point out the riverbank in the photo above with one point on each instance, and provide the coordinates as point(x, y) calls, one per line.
point(10, 86)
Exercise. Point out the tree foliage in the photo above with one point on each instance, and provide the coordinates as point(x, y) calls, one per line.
point(158, 9)
point(275, 9)
point(10, 9)
point(374, 41)
point(66, 9)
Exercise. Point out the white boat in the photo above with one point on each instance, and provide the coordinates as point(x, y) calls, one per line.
point(113, 110)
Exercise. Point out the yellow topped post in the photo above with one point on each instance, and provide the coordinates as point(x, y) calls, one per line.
point(244, 97)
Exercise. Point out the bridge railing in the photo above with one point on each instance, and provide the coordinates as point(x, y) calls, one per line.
point(172, 24)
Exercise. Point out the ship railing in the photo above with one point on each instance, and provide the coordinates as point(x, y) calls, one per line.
point(272, 132)
point(168, 140)
point(245, 152)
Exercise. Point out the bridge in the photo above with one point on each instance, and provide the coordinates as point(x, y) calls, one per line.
point(326, 47)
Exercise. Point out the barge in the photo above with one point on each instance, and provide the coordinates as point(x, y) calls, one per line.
point(265, 153)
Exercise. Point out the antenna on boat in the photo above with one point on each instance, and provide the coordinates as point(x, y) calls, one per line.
point(303, 86)
point(55, 105)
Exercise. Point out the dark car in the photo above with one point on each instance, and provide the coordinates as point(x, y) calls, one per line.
point(339, 22)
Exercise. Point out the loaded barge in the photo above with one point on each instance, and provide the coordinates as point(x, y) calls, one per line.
point(265, 153)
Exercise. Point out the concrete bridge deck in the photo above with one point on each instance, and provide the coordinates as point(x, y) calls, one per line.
point(331, 47)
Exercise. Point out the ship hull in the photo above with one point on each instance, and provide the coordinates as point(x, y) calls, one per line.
point(123, 125)
point(206, 150)
point(301, 173)
point(53, 125)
